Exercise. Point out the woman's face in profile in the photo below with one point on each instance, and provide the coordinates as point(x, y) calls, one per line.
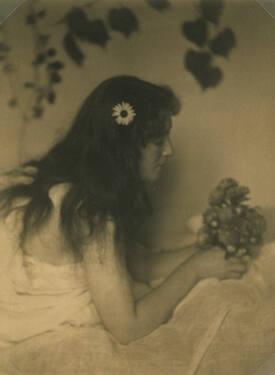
point(155, 154)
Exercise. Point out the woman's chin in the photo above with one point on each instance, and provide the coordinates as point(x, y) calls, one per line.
point(154, 180)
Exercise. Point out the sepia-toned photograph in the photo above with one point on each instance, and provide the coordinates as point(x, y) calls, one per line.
point(137, 199)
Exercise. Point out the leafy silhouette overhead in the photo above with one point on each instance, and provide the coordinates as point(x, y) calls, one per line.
point(81, 28)
point(123, 20)
point(196, 31)
point(199, 64)
point(4, 49)
point(76, 20)
point(159, 4)
point(94, 31)
point(199, 61)
point(223, 43)
point(211, 10)
point(97, 33)
point(90, 31)
point(33, 17)
point(72, 49)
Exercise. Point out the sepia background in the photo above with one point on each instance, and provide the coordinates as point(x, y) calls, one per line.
point(227, 130)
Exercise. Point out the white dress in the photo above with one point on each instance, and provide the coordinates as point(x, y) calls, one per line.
point(49, 324)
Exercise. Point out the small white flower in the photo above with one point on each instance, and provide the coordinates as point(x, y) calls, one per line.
point(239, 210)
point(124, 113)
point(231, 248)
point(214, 224)
point(253, 240)
point(241, 252)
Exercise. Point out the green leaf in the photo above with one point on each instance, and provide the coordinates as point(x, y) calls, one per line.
point(43, 39)
point(95, 32)
point(55, 78)
point(31, 19)
point(40, 59)
point(37, 111)
point(72, 49)
point(159, 4)
point(76, 20)
point(13, 102)
point(123, 20)
point(41, 13)
point(211, 10)
point(51, 97)
point(56, 65)
point(196, 31)
point(223, 43)
point(199, 65)
point(51, 52)
point(29, 84)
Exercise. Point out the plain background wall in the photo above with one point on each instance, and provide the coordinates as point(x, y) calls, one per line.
point(226, 131)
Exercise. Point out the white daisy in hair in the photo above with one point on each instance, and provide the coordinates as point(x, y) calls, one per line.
point(124, 113)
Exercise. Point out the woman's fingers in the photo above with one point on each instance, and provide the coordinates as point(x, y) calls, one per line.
point(238, 267)
point(235, 275)
point(234, 260)
point(246, 258)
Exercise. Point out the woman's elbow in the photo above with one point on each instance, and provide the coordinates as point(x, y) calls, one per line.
point(139, 268)
point(126, 335)
point(124, 340)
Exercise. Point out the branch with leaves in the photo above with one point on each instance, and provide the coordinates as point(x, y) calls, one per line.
point(82, 28)
point(200, 61)
point(9, 70)
point(6, 65)
point(160, 5)
point(47, 67)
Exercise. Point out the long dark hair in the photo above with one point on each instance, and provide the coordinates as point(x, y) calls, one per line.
point(100, 160)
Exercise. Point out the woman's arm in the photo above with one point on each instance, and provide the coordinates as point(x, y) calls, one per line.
point(146, 265)
point(110, 287)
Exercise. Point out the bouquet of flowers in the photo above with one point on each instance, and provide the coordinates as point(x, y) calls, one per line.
point(229, 222)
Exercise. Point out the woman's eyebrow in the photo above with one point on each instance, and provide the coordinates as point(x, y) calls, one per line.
point(169, 125)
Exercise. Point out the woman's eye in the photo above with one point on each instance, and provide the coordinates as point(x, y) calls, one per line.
point(159, 142)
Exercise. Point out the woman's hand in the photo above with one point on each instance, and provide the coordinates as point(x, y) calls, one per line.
point(212, 263)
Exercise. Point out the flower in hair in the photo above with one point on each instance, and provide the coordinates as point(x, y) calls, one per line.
point(124, 113)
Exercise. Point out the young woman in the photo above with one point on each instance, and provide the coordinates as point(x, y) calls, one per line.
point(75, 213)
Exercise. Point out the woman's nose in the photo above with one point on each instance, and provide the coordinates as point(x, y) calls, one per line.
point(168, 148)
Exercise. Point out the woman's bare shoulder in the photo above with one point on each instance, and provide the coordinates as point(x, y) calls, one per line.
point(101, 247)
point(57, 192)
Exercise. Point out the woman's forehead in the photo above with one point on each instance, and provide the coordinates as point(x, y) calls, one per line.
point(167, 120)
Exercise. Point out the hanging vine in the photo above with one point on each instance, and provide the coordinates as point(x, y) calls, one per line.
point(9, 70)
point(46, 65)
point(7, 66)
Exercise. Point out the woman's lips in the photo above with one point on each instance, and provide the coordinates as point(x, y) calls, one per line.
point(159, 166)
